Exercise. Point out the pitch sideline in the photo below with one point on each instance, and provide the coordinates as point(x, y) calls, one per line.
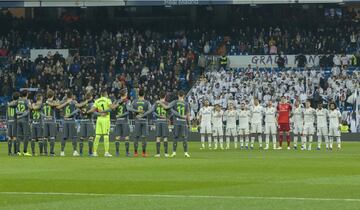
point(181, 196)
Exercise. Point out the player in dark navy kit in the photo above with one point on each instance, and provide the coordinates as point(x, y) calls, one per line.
point(11, 124)
point(87, 126)
point(141, 122)
point(36, 125)
point(22, 125)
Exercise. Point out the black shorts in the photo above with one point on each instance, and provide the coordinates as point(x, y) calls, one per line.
point(36, 131)
point(141, 128)
point(162, 129)
point(122, 129)
point(11, 129)
point(87, 129)
point(49, 130)
point(181, 131)
point(69, 129)
point(22, 129)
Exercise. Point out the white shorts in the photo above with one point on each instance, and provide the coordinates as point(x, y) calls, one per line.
point(270, 128)
point(298, 129)
point(322, 131)
point(231, 132)
point(308, 129)
point(218, 131)
point(334, 131)
point(256, 128)
point(243, 131)
point(205, 128)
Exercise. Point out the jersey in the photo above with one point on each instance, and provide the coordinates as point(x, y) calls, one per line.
point(217, 118)
point(298, 116)
point(321, 117)
point(48, 112)
point(141, 105)
point(270, 115)
point(68, 109)
point(309, 116)
point(103, 104)
point(10, 113)
point(284, 111)
point(205, 113)
point(121, 111)
point(181, 109)
point(257, 114)
point(230, 116)
point(21, 108)
point(244, 118)
point(84, 109)
point(35, 115)
point(334, 116)
point(160, 112)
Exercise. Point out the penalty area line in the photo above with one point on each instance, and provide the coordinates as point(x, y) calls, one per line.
point(180, 196)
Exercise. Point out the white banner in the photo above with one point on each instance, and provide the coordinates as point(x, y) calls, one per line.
point(34, 53)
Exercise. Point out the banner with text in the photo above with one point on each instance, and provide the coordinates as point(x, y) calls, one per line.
point(34, 53)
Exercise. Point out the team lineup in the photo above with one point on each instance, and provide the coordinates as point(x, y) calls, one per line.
point(35, 122)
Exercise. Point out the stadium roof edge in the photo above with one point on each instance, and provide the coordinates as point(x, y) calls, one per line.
point(96, 3)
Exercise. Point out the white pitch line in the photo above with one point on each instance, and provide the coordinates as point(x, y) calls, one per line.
point(181, 196)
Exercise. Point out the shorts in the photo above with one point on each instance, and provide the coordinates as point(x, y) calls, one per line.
point(22, 129)
point(49, 129)
point(141, 128)
point(36, 131)
point(298, 129)
point(244, 131)
point(231, 132)
point(270, 128)
point(218, 131)
point(181, 131)
point(256, 128)
point(162, 129)
point(284, 127)
point(308, 129)
point(334, 131)
point(69, 130)
point(205, 128)
point(87, 129)
point(322, 131)
point(11, 129)
point(122, 129)
point(102, 127)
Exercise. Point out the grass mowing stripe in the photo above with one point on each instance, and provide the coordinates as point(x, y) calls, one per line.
point(181, 196)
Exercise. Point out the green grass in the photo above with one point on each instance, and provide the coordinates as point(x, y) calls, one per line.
point(231, 179)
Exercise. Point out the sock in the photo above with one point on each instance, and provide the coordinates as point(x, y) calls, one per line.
point(331, 140)
point(52, 145)
point(252, 141)
point(17, 143)
point(136, 144)
point(90, 144)
point(127, 145)
point(185, 145)
point(26, 143)
point(106, 143)
point(288, 139)
point(158, 147)
point(74, 143)
point(221, 141)
point(247, 140)
point(303, 141)
point(143, 145)
point(295, 140)
point(235, 141)
point(281, 136)
point(96, 143)
point(338, 140)
point(41, 146)
point(175, 144)
point(32, 144)
point(241, 141)
point(267, 140)
point(166, 147)
point(228, 141)
point(63, 143)
point(326, 141)
point(215, 142)
point(9, 146)
point(319, 141)
point(260, 140)
point(310, 141)
point(117, 146)
point(274, 140)
point(81, 145)
point(209, 140)
point(202, 140)
point(45, 146)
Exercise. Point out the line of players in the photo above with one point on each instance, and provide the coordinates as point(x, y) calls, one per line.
point(36, 122)
point(247, 125)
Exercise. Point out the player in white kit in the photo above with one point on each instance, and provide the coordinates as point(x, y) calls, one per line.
point(243, 128)
point(217, 122)
point(270, 125)
point(334, 126)
point(230, 116)
point(257, 114)
point(321, 125)
point(309, 120)
point(204, 117)
point(298, 122)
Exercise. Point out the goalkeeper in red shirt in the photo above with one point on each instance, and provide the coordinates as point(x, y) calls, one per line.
point(284, 110)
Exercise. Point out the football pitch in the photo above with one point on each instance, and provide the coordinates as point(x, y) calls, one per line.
point(231, 179)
